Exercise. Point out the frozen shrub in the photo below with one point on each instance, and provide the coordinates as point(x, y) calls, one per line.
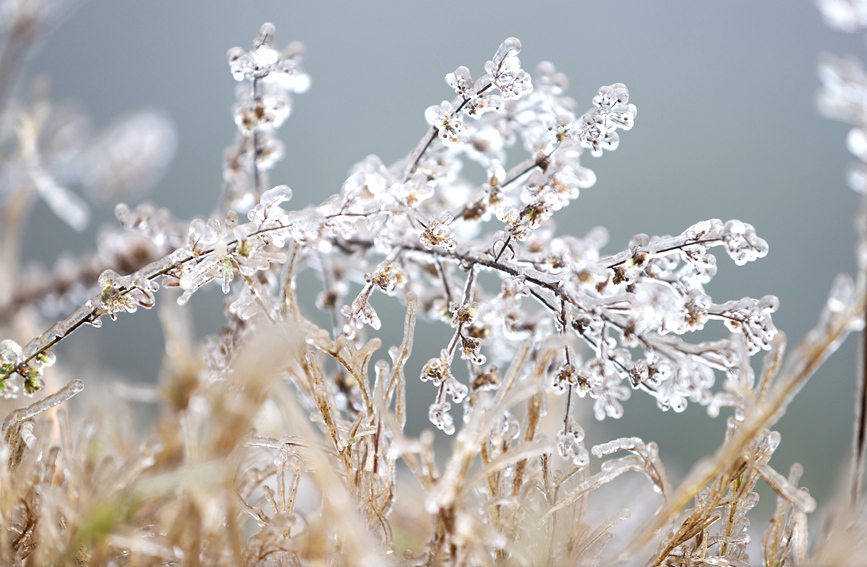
point(285, 443)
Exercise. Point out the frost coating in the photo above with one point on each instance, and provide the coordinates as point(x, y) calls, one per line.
point(540, 329)
point(419, 227)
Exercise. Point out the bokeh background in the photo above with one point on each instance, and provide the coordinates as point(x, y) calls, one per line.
point(726, 128)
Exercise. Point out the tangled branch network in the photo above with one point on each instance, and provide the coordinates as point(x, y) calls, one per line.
point(536, 317)
point(419, 229)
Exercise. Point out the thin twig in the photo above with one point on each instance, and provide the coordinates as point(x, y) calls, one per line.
point(44, 404)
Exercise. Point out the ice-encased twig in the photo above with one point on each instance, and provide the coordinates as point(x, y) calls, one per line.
point(44, 404)
point(397, 381)
point(797, 497)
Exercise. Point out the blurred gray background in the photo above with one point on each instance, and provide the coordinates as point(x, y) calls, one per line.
point(726, 128)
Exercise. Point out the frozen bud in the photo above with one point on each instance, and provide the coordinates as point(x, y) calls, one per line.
point(141, 293)
point(246, 306)
point(514, 287)
point(439, 416)
point(240, 63)
point(585, 323)
point(33, 384)
point(266, 63)
point(651, 372)
point(120, 293)
point(31, 372)
point(487, 141)
point(449, 127)
point(583, 384)
point(436, 369)
point(742, 243)
point(638, 242)
point(489, 379)
point(591, 133)
point(460, 80)
point(566, 377)
point(752, 317)
point(471, 350)
point(608, 391)
point(262, 114)
point(439, 233)
point(277, 106)
point(657, 306)
point(662, 267)
point(474, 103)
point(453, 388)
point(700, 266)
point(464, 314)
point(505, 70)
point(695, 309)
point(570, 445)
point(388, 276)
point(44, 358)
point(612, 108)
point(268, 152)
point(10, 357)
point(416, 190)
point(561, 126)
point(234, 54)
point(496, 175)
point(639, 374)
point(109, 282)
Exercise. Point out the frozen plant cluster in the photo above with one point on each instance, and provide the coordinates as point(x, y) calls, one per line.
point(540, 323)
point(618, 322)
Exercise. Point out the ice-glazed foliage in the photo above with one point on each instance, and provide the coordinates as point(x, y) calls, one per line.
point(622, 321)
point(542, 323)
